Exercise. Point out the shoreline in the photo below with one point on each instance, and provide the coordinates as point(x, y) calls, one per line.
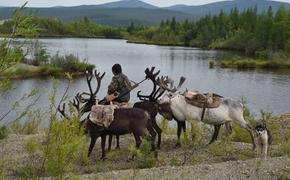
point(25, 71)
point(224, 159)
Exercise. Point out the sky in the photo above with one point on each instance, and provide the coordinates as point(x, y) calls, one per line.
point(49, 3)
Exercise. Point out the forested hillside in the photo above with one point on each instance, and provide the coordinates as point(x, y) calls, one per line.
point(247, 31)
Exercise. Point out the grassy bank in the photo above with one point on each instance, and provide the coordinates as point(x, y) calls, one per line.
point(253, 63)
point(53, 66)
point(23, 71)
point(160, 43)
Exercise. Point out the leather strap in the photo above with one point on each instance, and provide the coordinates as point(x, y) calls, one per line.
point(202, 114)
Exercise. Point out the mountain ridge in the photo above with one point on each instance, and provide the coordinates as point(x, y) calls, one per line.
point(226, 6)
point(123, 12)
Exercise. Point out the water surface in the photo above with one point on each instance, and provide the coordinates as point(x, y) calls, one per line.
point(268, 91)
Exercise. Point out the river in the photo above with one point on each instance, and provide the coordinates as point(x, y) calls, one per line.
point(267, 91)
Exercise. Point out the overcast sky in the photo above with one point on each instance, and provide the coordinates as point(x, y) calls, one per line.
point(49, 3)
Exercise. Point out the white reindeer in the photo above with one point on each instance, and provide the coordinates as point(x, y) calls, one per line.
point(174, 105)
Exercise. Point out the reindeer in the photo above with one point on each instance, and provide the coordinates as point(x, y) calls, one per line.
point(175, 106)
point(129, 120)
point(149, 104)
point(126, 120)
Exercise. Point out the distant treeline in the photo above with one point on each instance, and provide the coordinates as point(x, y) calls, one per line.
point(80, 28)
point(249, 32)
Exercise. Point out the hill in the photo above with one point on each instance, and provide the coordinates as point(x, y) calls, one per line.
point(226, 6)
point(104, 15)
point(123, 12)
point(128, 4)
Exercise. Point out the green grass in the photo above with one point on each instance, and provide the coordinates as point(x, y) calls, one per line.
point(212, 63)
point(252, 63)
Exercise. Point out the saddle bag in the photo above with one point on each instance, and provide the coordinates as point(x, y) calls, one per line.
point(102, 115)
point(203, 100)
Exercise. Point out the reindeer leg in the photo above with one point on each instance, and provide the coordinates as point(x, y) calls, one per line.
point(103, 144)
point(110, 142)
point(92, 144)
point(179, 128)
point(249, 128)
point(215, 134)
point(118, 141)
point(229, 128)
point(152, 134)
point(159, 131)
point(217, 131)
point(184, 126)
point(137, 140)
point(138, 143)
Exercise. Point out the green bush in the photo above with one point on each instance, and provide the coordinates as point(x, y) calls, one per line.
point(284, 145)
point(3, 132)
point(145, 157)
point(254, 63)
point(224, 150)
point(212, 63)
point(30, 126)
point(70, 63)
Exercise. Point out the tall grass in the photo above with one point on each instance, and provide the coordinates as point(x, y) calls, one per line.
point(251, 63)
point(70, 63)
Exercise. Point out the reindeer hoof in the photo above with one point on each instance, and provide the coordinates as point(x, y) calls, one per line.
point(117, 147)
point(131, 158)
point(193, 137)
point(103, 158)
point(177, 145)
point(158, 147)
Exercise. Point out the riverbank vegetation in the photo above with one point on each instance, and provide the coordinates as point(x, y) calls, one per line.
point(253, 63)
point(28, 57)
point(258, 35)
point(262, 35)
point(55, 28)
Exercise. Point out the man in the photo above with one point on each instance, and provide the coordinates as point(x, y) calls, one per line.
point(119, 85)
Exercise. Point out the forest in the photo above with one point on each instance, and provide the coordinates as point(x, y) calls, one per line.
point(261, 35)
point(249, 32)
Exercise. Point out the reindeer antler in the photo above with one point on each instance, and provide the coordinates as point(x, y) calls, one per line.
point(61, 110)
point(99, 80)
point(89, 102)
point(165, 80)
point(152, 76)
point(89, 78)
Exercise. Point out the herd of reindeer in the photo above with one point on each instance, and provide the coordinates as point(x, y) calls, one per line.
point(165, 99)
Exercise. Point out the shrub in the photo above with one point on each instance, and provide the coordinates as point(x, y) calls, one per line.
point(62, 146)
point(3, 132)
point(224, 150)
point(212, 63)
point(30, 126)
point(284, 146)
point(31, 168)
point(71, 63)
point(145, 157)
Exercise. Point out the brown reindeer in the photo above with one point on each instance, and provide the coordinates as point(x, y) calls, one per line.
point(126, 120)
point(149, 104)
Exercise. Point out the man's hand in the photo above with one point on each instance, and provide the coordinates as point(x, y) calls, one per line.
point(112, 97)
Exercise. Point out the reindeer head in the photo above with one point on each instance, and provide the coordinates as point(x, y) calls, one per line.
point(156, 92)
point(164, 101)
point(90, 100)
point(168, 84)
